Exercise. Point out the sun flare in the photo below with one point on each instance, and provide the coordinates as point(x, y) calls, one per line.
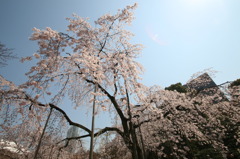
point(196, 2)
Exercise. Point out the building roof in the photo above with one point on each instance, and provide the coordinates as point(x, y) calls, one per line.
point(205, 86)
point(202, 82)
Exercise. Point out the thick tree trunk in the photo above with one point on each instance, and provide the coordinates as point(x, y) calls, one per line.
point(136, 152)
point(139, 152)
point(132, 144)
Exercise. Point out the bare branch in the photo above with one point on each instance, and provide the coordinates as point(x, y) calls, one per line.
point(5, 54)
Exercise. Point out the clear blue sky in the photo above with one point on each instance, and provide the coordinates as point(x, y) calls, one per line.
point(181, 37)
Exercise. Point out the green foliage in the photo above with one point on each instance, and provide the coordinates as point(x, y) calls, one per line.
point(177, 87)
point(235, 83)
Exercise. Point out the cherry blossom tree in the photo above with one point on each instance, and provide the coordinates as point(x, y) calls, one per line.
point(73, 63)
point(22, 123)
point(184, 124)
point(114, 148)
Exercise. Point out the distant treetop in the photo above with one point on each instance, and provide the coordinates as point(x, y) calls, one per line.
point(235, 83)
point(177, 87)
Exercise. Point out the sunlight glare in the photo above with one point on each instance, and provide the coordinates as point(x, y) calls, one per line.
point(196, 3)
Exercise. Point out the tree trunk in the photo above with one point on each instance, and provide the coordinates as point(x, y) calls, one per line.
point(135, 148)
point(136, 152)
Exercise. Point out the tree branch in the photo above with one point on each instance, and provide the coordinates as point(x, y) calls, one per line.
point(112, 98)
point(100, 132)
point(61, 111)
point(68, 119)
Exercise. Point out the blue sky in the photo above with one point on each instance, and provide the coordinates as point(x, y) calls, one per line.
point(181, 37)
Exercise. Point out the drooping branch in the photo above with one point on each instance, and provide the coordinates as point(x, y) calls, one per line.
point(68, 119)
point(100, 132)
point(61, 111)
point(5, 54)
